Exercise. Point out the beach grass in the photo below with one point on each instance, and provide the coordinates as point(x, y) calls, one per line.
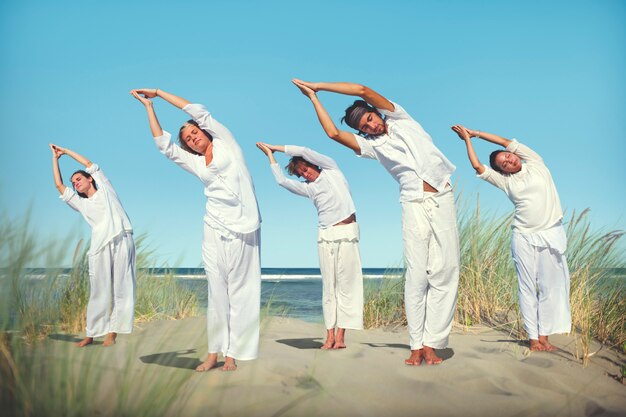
point(34, 381)
point(488, 283)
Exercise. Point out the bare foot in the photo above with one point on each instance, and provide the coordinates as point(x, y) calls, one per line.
point(86, 341)
point(536, 345)
point(208, 364)
point(109, 340)
point(416, 358)
point(340, 339)
point(548, 347)
point(430, 357)
point(330, 339)
point(229, 364)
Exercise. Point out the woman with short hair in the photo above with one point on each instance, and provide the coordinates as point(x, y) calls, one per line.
point(338, 235)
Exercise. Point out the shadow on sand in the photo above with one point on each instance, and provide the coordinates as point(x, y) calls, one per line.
point(304, 343)
point(67, 338)
point(173, 359)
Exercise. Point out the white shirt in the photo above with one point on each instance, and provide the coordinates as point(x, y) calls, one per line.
point(330, 192)
point(231, 205)
point(531, 190)
point(407, 152)
point(102, 211)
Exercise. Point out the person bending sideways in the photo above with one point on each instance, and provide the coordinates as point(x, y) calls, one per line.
point(338, 235)
point(387, 133)
point(231, 243)
point(111, 255)
point(538, 240)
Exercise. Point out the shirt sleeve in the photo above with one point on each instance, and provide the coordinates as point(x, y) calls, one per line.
point(523, 151)
point(74, 200)
point(311, 156)
point(294, 186)
point(493, 177)
point(367, 150)
point(98, 175)
point(187, 161)
point(397, 113)
point(201, 115)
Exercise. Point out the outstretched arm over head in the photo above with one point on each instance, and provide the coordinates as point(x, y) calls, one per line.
point(56, 172)
point(466, 136)
point(155, 126)
point(350, 89)
point(346, 139)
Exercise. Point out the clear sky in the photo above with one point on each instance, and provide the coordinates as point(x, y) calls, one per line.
point(552, 74)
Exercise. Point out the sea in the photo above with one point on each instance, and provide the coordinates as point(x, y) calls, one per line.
point(286, 292)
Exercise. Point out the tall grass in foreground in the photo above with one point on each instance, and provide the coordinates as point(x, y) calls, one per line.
point(37, 381)
point(488, 283)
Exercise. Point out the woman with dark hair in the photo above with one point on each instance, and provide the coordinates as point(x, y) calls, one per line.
point(231, 243)
point(111, 305)
point(538, 241)
point(338, 235)
point(431, 243)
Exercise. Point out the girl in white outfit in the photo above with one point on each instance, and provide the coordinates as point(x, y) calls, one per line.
point(429, 230)
point(111, 305)
point(231, 244)
point(338, 236)
point(538, 241)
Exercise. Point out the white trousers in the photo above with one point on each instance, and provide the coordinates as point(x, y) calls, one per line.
point(431, 255)
point(342, 277)
point(544, 285)
point(233, 270)
point(111, 306)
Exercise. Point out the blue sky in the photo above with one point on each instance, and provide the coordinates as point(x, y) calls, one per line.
point(552, 74)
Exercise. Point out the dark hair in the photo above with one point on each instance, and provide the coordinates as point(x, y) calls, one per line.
point(355, 112)
point(182, 142)
point(492, 161)
point(88, 176)
point(297, 160)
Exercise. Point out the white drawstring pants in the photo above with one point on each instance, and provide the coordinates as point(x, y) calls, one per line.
point(233, 270)
point(111, 306)
point(342, 277)
point(431, 254)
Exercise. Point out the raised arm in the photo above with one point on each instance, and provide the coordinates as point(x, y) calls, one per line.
point(169, 97)
point(347, 139)
point(56, 172)
point(268, 150)
point(466, 137)
point(155, 126)
point(490, 137)
point(350, 89)
point(77, 157)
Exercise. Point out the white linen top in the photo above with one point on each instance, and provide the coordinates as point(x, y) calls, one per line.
point(408, 153)
point(531, 190)
point(330, 192)
point(102, 211)
point(231, 205)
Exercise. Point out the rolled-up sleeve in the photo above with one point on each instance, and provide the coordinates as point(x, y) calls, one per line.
point(493, 177)
point(187, 161)
point(367, 150)
point(73, 200)
point(523, 151)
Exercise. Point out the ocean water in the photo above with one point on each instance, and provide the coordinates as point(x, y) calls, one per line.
point(287, 292)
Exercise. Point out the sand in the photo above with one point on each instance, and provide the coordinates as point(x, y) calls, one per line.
point(485, 373)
